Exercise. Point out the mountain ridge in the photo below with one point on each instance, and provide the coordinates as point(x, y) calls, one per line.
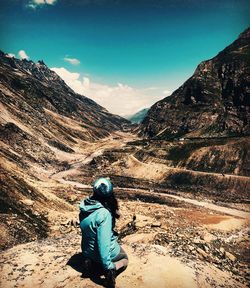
point(213, 102)
point(44, 127)
point(39, 91)
point(138, 117)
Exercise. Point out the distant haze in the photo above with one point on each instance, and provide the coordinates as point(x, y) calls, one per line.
point(119, 99)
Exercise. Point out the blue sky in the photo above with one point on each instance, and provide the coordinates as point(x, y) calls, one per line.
point(124, 54)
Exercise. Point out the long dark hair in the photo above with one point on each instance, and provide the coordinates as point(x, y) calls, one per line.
point(110, 203)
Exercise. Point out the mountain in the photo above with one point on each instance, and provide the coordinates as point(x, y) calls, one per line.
point(138, 117)
point(37, 96)
point(39, 110)
point(44, 127)
point(214, 102)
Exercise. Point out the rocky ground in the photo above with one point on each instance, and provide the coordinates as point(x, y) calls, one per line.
point(175, 245)
point(173, 239)
point(215, 168)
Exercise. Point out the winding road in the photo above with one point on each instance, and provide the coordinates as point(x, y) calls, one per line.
point(111, 143)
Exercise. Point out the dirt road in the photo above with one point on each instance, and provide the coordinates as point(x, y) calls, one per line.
point(115, 141)
point(118, 140)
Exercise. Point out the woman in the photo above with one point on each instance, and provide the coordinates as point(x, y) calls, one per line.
point(99, 240)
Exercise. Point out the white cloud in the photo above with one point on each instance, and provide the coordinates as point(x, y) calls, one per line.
point(72, 61)
point(35, 3)
point(119, 99)
point(166, 92)
point(50, 2)
point(38, 2)
point(10, 55)
point(22, 54)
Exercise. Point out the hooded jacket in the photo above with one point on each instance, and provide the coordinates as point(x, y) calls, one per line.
point(99, 242)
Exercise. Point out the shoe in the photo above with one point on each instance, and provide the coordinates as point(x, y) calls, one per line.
point(110, 278)
point(87, 266)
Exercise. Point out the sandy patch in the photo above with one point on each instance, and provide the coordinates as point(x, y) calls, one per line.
point(137, 169)
point(156, 271)
point(228, 224)
point(143, 238)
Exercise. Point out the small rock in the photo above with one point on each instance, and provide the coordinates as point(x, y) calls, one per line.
point(208, 237)
point(206, 248)
point(142, 221)
point(230, 256)
point(202, 252)
point(197, 241)
point(72, 198)
point(191, 248)
point(156, 224)
point(216, 260)
point(27, 202)
point(222, 250)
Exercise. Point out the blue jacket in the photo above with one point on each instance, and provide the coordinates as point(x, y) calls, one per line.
point(99, 242)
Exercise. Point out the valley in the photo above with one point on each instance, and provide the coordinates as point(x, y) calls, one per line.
point(181, 177)
point(194, 234)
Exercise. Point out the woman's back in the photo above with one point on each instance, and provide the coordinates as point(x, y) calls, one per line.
point(99, 241)
point(98, 235)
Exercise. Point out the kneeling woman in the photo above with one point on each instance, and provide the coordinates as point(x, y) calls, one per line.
point(99, 240)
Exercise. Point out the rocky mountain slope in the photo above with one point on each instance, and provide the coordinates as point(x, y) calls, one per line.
point(37, 98)
point(139, 116)
point(213, 168)
point(43, 126)
point(214, 102)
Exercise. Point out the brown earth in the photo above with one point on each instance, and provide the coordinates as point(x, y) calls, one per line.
point(166, 166)
point(184, 238)
point(167, 247)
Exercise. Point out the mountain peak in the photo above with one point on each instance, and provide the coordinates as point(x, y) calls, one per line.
point(39, 91)
point(212, 103)
point(41, 62)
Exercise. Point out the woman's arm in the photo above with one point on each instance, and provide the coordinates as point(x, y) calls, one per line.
point(104, 232)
